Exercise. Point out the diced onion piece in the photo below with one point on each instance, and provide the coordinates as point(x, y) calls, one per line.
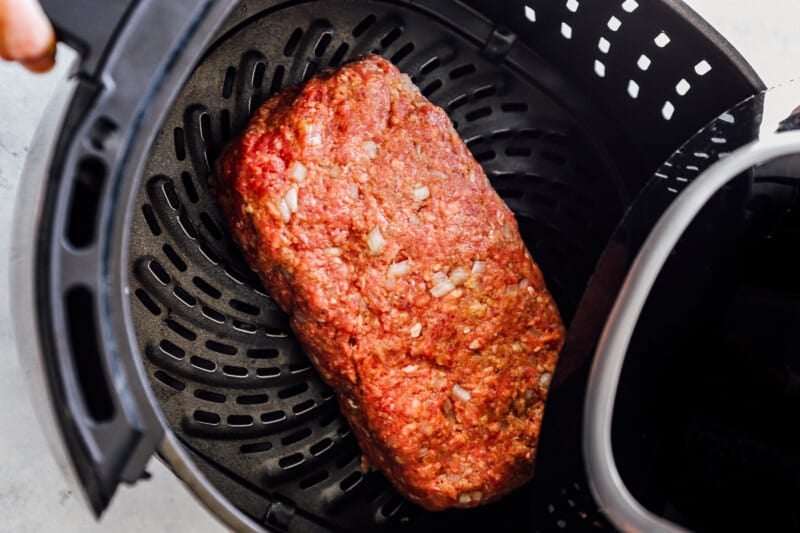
point(416, 330)
point(545, 379)
point(286, 213)
point(440, 289)
point(458, 276)
point(291, 199)
point(421, 194)
point(371, 149)
point(464, 498)
point(298, 172)
point(474, 345)
point(409, 369)
point(438, 174)
point(524, 284)
point(333, 251)
point(400, 269)
point(461, 393)
point(478, 267)
point(375, 241)
point(353, 188)
point(439, 277)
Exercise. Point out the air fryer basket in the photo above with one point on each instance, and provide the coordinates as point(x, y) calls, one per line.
point(569, 106)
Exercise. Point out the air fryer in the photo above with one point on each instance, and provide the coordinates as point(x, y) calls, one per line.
point(153, 337)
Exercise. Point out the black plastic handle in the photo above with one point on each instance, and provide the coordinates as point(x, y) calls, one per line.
point(88, 26)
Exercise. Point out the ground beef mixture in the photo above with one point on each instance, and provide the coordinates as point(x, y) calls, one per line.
point(405, 276)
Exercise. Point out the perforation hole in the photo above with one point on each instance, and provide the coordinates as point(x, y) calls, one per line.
point(273, 417)
point(430, 65)
point(174, 258)
point(391, 507)
point(203, 364)
point(188, 186)
point(150, 219)
point(179, 140)
point(209, 396)
point(477, 114)
point(240, 421)
point(682, 87)
point(291, 461)
point(643, 62)
point(668, 110)
point(572, 5)
point(205, 417)
point(457, 102)
point(277, 79)
point(314, 479)
point(256, 447)
point(147, 302)
point(320, 447)
point(464, 70)
point(206, 287)
point(294, 390)
point(213, 315)
point(614, 23)
point(296, 368)
point(662, 40)
point(227, 84)
point(181, 330)
point(245, 308)
point(252, 399)
point(339, 54)
point(604, 45)
point(186, 225)
point(262, 353)
point(391, 37)
point(208, 253)
point(402, 53)
point(169, 381)
point(630, 5)
point(295, 437)
point(275, 332)
point(172, 350)
point(599, 68)
point(322, 44)
point(234, 371)
point(485, 92)
point(244, 327)
point(268, 372)
point(633, 89)
point(158, 272)
point(304, 407)
point(530, 13)
point(702, 68)
point(210, 225)
point(294, 40)
point(432, 87)
point(566, 30)
point(351, 481)
point(219, 347)
point(487, 155)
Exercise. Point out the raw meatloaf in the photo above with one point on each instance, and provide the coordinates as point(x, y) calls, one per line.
point(405, 277)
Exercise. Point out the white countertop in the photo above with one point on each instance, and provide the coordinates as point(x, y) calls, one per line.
point(33, 494)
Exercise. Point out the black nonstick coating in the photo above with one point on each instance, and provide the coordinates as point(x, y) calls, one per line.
point(231, 380)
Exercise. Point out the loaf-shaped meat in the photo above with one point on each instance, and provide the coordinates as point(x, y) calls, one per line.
point(405, 277)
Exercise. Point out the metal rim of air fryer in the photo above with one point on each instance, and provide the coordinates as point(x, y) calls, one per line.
point(95, 225)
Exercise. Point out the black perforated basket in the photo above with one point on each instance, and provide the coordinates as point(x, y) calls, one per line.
point(570, 106)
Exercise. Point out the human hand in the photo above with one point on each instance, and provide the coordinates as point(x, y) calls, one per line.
point(26, 35)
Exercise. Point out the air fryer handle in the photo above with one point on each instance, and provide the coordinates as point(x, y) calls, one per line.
point(88, 26)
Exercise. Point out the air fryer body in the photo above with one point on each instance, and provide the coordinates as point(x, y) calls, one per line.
point(154, 337)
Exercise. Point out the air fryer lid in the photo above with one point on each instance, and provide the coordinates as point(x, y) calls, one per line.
point(141, 284)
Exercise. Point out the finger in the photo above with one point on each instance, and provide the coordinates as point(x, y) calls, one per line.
point(26, 35)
